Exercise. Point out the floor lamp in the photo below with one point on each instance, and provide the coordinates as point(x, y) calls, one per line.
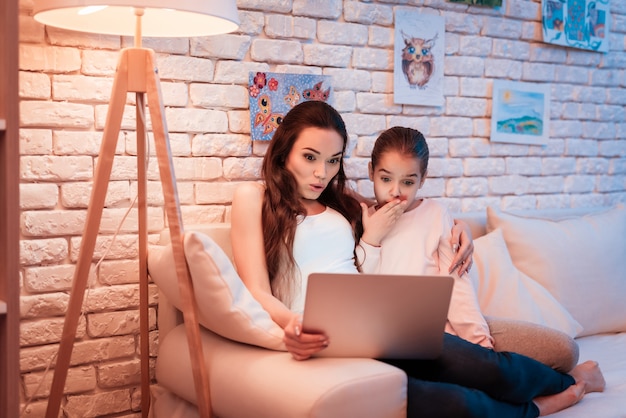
point(136, 72)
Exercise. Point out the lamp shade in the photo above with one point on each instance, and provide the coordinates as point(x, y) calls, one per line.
point(161, 18)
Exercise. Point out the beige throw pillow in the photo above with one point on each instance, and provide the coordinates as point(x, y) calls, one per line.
point(225, 305)
point(581, 261)
point(547, 345)
point(505, 292)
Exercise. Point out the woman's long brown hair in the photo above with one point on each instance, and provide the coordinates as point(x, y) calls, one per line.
point(282, 205)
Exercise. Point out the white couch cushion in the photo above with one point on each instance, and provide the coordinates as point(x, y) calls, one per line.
point(581, 261)
point(225, 306)
point(608, 350)
point(505, 292)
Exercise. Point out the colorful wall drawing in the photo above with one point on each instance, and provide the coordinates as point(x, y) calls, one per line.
point(577, 23)
point(520, 112)
point(418, 58)
point(273, 94)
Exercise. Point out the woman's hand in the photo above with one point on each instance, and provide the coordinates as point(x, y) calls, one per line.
point(378, 222)
point(463, 247)
point(302, 345)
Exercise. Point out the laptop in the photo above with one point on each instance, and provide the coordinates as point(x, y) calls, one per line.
point(378, 316)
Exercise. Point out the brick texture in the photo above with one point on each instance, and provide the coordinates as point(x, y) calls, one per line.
point(65, 86)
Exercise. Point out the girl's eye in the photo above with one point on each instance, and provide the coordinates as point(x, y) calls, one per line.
point(385, 179)
point(334, 161)
point(409, 183)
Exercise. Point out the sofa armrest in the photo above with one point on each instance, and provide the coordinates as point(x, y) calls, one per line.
point(253, 381)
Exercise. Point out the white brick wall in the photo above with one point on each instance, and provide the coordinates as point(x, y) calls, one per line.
point(65, 84)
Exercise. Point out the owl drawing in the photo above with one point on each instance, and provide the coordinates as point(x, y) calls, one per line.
point(418, 64)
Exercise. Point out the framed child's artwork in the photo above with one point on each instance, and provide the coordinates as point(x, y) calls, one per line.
point(520, 112)
point(577, 23)
point(418, 58)
point(272, 95)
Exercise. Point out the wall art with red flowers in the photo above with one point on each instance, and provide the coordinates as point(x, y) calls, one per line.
point(272, 95)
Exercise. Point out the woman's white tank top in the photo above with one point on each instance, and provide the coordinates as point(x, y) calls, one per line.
point(323, 243)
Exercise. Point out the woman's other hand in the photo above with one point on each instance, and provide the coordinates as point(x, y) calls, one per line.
point(463, 247)
point(302, 345)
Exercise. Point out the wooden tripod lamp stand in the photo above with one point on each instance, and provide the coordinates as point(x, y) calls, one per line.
point(136, 72)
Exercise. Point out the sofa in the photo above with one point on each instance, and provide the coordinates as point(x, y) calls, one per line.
point(561, 272)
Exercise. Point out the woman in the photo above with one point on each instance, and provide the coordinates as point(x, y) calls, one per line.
point(302, 219)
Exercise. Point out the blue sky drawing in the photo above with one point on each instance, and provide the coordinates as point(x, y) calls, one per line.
point(519, 104)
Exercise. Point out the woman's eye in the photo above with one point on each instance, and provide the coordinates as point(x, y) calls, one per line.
point(309, 157)
point(334, 161)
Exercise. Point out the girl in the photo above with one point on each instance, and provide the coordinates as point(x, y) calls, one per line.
point(417, 241)
point(303, 220)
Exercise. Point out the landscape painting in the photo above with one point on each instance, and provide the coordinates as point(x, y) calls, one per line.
point(520, 112)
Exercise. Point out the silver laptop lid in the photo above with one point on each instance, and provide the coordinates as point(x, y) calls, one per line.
point(378, 316)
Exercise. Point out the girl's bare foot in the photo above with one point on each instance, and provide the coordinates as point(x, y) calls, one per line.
point(590, 375)
point(553, 403)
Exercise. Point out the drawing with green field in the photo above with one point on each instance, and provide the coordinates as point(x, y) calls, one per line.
point(520, 112)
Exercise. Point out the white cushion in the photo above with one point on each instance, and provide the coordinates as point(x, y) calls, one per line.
point(505, 292)
point(580, 261)
point(225, 306)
